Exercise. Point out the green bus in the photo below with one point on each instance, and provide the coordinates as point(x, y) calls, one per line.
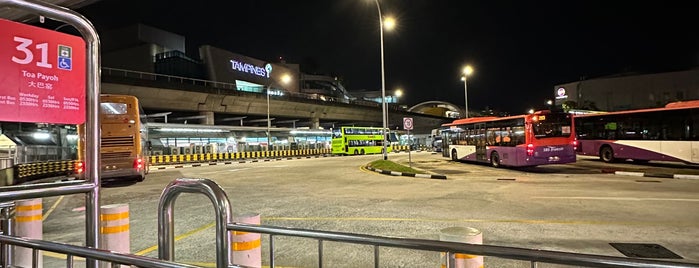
point(358, 140)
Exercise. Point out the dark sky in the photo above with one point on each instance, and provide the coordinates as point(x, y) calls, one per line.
point(519, 49)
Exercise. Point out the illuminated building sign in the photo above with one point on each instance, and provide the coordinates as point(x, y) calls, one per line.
point(251, 69)
point(561, 93)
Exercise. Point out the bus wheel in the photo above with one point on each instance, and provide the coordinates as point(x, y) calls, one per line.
point(356, 151)
point(606, 154)
point(362, 152)
point(495, 159)
point(454, 156)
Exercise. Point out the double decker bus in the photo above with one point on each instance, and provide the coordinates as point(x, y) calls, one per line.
point(123, 142)
point(358, 140)
point(670, 133)
point(534, 139)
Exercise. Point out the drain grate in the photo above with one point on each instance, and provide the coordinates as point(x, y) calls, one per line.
point(639, 250)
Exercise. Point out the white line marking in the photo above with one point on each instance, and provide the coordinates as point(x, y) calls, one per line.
point(617, 198)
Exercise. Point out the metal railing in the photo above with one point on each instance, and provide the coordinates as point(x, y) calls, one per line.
point(224, 225)
point(71, 251)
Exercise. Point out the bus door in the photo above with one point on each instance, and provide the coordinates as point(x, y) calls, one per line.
point(446, 141)
point(481, 154)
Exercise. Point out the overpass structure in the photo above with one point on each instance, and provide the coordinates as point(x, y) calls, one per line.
point(172, 99)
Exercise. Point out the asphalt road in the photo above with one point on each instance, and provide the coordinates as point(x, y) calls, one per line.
point(578, 208)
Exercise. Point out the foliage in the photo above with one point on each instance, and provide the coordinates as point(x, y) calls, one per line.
point(392, 166)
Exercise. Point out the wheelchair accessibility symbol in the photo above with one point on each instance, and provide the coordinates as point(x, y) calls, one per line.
point(65, 57)
point(64, 64)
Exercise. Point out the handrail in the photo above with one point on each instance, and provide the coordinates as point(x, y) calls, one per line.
point(532, 255)
point(19, 192)
point(92, 132)
point(85, 252)
point(166, 224)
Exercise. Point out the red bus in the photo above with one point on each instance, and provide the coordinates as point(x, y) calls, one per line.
point(670, 133)
point(534, 139)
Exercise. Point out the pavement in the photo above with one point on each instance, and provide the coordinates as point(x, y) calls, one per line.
point(653, 174)
point(407, 174)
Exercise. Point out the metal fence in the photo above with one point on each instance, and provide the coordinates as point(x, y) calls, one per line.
point(224, 225)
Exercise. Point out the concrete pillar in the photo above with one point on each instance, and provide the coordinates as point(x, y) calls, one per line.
point(114, 230)
point(28, 223)
point(463, 235)
point(315, 122)
point(246, 248)
point(208, 120)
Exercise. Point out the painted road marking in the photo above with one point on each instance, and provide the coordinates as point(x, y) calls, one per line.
point(618, 198)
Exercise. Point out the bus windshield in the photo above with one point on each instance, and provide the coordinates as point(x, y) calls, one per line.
point(552, 126)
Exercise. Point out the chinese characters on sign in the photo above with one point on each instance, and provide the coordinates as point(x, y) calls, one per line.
point(42, 75)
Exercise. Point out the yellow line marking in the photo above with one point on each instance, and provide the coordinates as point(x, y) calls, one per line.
point(177, 238)
point(663, 223)
point(53, 207)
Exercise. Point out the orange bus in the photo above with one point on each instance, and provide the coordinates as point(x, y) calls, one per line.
point(124, 139)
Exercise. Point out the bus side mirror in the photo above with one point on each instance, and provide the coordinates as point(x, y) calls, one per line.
point(149, 145)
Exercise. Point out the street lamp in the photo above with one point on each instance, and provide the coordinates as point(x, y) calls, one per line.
point(468, 70)
point(285, 79)
point(388, 23)
point(397, 94)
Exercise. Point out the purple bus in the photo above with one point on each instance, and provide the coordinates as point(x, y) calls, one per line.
point(659, 134)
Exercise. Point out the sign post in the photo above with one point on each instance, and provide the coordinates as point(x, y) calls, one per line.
point(408, 125)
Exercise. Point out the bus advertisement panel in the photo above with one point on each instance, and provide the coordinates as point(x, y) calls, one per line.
point(358, 140)
point(670, 133)
point(516, 141)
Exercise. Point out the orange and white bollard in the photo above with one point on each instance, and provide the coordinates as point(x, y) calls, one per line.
point(246, 247)
point(114, 230)
point(463, 235)
point(28, 223)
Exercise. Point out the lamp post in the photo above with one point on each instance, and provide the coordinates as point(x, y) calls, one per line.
point(468, 70)
point(286, 79)
point(390, 23)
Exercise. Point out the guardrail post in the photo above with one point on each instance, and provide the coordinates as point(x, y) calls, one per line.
point(462, 235)
point(166, 215)
point(114, 230)
point(246, 248)
point(28, 223)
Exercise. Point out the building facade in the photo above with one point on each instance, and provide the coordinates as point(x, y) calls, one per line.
point(629, 92)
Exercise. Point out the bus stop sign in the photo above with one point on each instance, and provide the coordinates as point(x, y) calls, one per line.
point(42, 75)
point(407, 123)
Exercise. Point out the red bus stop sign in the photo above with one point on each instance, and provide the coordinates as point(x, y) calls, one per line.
point(42, 75)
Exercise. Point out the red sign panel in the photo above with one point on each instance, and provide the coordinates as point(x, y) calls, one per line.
point(42, 75)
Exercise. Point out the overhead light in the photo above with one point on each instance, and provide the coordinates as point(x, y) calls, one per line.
point(191, 130)
point(41, 135)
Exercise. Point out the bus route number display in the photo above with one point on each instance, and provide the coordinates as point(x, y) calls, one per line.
point(42, 75)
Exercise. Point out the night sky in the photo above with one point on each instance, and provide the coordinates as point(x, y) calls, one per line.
point(519, 49)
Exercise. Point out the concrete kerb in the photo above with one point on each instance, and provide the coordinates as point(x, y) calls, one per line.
point(229, 162)
point(653, 175)
point(407, 174)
